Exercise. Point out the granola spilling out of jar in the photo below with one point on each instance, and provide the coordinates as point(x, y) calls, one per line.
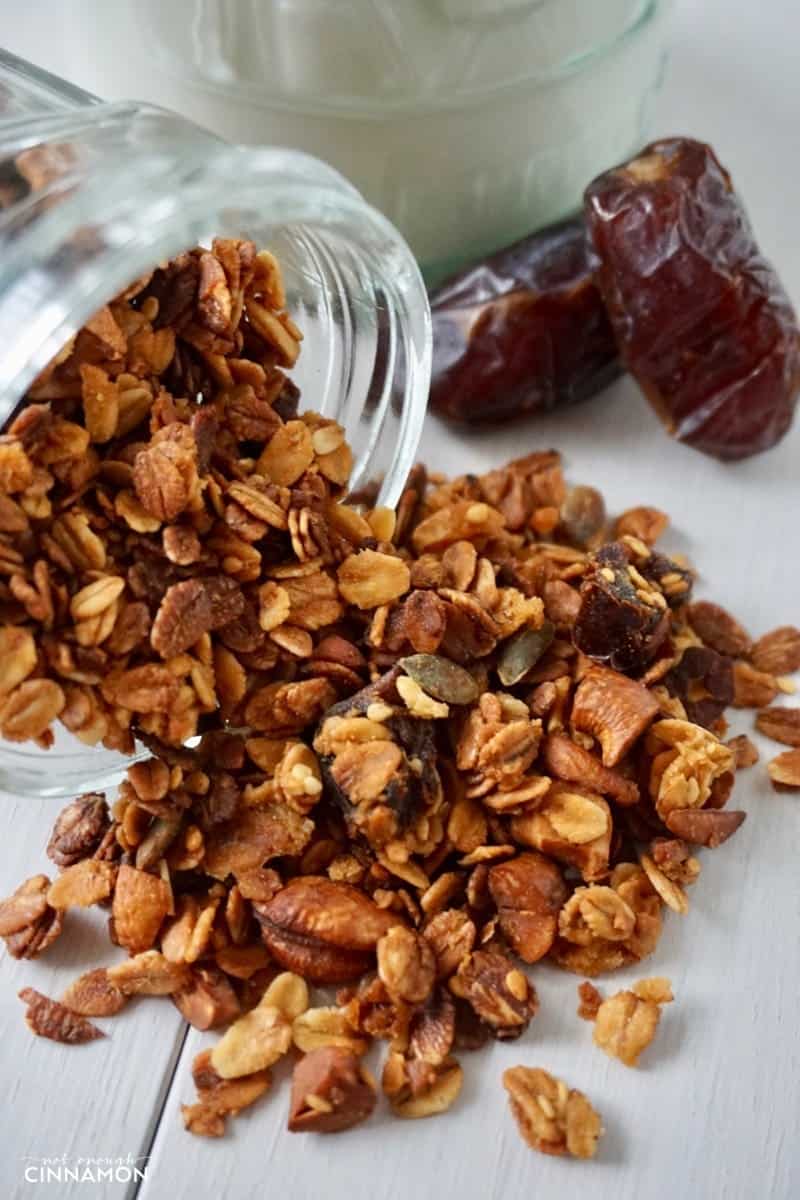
point(400, 754)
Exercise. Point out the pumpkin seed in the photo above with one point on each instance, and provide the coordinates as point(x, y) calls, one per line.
point(523, 651)
point(440, 678)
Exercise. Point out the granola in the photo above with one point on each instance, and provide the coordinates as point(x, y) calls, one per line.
point(552, 1118)
point(403, 752)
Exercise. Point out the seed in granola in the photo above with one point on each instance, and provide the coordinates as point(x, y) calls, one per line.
point(551, 1117)
point(440, 678)
point(521, 653)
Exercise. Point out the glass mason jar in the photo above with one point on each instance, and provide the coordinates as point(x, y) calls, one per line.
point(468, 122)
point(111, 189)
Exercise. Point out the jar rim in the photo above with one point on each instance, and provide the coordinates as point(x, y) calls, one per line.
point(142, 224)
point(359, 108)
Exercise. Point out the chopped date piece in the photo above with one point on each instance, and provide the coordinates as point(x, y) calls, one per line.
point(700, 317)
point(379, 763)
point(622, 620)
point(703, 681)
point(522, 331)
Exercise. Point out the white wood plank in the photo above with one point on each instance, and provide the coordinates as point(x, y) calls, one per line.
point(100, 1100)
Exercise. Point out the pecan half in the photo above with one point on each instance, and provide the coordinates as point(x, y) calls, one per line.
point(49, 1019)
point(325, 931)
point(777, 652)
point(780, 724)
point(718, 629)
point(79, 829)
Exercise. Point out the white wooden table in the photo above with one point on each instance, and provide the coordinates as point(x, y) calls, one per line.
point(715, 1108)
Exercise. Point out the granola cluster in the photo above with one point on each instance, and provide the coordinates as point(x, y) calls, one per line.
point(427, 745)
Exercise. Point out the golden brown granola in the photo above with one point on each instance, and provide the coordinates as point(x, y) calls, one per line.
point(427, 745)
point(626, 1023)
point(551, 1117)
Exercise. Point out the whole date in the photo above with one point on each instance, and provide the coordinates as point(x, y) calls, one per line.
point(700, 317)
point(522, 331)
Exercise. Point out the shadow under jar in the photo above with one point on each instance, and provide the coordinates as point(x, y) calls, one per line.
point(113, 190)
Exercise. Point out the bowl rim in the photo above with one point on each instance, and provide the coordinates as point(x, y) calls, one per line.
point(358, 108)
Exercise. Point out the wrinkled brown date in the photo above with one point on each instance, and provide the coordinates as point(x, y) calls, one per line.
point(522, 331)
point(701, 319)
